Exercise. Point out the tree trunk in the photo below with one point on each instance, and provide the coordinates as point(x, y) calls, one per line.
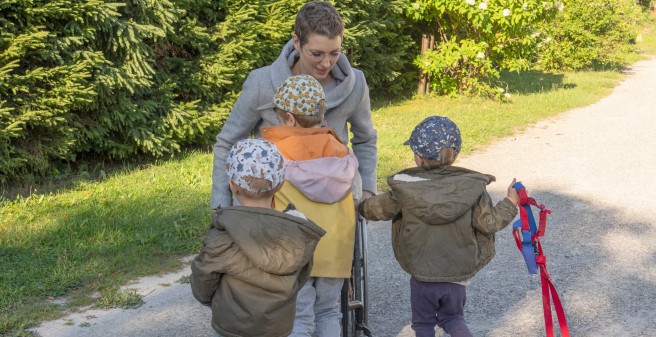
point(423, 78)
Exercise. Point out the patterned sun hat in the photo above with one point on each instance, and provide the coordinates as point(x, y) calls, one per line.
point(255, 158)
point(432, 135)
point(300, 95)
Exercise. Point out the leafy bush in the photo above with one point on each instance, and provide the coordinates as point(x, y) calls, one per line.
point(89, 78)
point(589, 34)
point(379, 41)
point(80, 77)
point(646, 4)
point(475, 39)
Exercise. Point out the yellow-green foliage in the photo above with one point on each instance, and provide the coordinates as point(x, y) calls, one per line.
point(590, 34)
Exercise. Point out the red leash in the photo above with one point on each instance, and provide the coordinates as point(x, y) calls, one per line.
point(527, 236)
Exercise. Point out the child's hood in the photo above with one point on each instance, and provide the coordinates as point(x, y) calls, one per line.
point(277, 243)
point(326, 180)
point(438, 195)
point(316, 162)
point(305, 143)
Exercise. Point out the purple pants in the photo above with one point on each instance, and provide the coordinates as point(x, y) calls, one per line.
point(438, 303)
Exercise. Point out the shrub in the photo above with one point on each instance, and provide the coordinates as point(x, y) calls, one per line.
point(379, 41)
point(475, 39)
point(647, 4)
point(78, 76)
point(589, 34)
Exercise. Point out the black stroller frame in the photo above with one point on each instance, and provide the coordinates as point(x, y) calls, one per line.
point(355, 292)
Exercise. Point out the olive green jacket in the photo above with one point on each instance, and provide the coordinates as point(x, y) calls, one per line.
point(443, 221)
point(251, 267)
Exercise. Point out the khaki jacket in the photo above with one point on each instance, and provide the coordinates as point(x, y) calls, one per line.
point(250, 269)
point(443, 221)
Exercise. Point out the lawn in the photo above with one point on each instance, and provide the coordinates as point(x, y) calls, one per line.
point(96, 235)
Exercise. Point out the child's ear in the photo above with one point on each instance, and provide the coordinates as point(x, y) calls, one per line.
point(233, 187)
point(289, 119)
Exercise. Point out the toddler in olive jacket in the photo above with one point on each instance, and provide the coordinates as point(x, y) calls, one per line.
point(254, 259)
point(443, 225)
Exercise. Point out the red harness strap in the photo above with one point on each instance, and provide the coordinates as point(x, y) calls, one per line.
point(548, 289)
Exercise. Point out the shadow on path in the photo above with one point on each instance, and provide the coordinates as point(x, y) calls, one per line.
point(600, 262)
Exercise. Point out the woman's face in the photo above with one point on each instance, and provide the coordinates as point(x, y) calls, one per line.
point(318, 55)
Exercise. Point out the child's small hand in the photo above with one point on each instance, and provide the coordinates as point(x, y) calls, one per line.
point(512, 192)
point(359, 209)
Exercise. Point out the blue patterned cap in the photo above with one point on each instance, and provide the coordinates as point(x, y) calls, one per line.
point(432, 135)
point(255, 158)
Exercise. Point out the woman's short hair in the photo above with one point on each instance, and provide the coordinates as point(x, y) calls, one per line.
point(318, 17)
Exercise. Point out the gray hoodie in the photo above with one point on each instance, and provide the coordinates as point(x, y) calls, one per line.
point(347, 102)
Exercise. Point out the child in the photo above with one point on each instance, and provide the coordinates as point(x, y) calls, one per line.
point(320, 172)
point(254, 259)
point(443, 228)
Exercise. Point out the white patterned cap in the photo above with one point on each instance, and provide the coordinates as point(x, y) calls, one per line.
point(300, 95)
point(255, 158)
point(432, 135)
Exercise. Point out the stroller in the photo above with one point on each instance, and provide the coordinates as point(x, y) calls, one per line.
point(355, 294)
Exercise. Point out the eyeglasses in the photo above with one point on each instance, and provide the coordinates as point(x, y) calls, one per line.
point(318, 56)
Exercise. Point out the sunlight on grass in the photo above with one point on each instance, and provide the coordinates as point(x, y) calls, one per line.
point(116, 298)
point(647, 45)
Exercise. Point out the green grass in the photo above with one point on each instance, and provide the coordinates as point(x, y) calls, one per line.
point(116, 298)
point(86, 236)
point(645, 46)
point(98, 235)
point(648, 35)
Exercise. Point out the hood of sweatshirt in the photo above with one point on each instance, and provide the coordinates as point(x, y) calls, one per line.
point(438, 195)
point(317, 163)
point(275, 242)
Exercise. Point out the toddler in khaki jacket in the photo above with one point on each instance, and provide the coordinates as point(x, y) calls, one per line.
point(443, 228)
point(254, 259)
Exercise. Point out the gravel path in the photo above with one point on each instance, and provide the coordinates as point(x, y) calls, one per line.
point(592, 166)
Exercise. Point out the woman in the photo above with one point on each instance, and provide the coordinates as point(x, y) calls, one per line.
point(315, 49)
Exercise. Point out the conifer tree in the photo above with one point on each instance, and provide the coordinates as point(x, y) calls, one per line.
point(95, 79)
